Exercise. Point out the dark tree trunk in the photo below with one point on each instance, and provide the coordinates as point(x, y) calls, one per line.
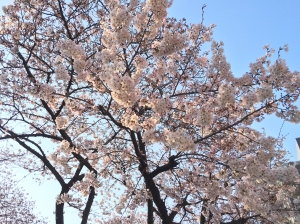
point(150, 212)
point(59, 213)
point(88, 206)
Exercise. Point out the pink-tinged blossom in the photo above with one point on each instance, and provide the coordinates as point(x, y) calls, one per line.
point(61, 122)
point(180, 140)
point(226, 95)
point(61, 73)
point(204, 117)
point(63, 198)
point(265, 92)
point(131, 120)
point(249, 99)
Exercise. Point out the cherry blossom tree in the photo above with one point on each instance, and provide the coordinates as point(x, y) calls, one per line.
point(14, 206)
point(137, 123)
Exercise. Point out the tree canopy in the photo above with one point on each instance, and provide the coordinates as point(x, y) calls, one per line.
point(147, 124)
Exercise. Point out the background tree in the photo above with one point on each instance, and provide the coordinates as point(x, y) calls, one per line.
point(14, 206)
point(142, 116)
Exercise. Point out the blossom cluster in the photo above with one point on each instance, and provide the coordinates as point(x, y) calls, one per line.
point(124, 91)
point(150, 136)
point(62, 160)
point(226, 95)
point(265, 92)
point(90, 179)
point(46, 91)
point(179, 140)
point(63, 198)
point(249, 99)
point(61, 122)
point(72, 50)
point(292, 115)
point(61, 73)
point(120, 20)
point(282, 174)
point(159, 8)
point(171, 43)
point(204, 118)
point(131, 120)
point(159, 106)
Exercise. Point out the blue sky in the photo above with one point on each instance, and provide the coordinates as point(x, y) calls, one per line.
point(245, 27)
